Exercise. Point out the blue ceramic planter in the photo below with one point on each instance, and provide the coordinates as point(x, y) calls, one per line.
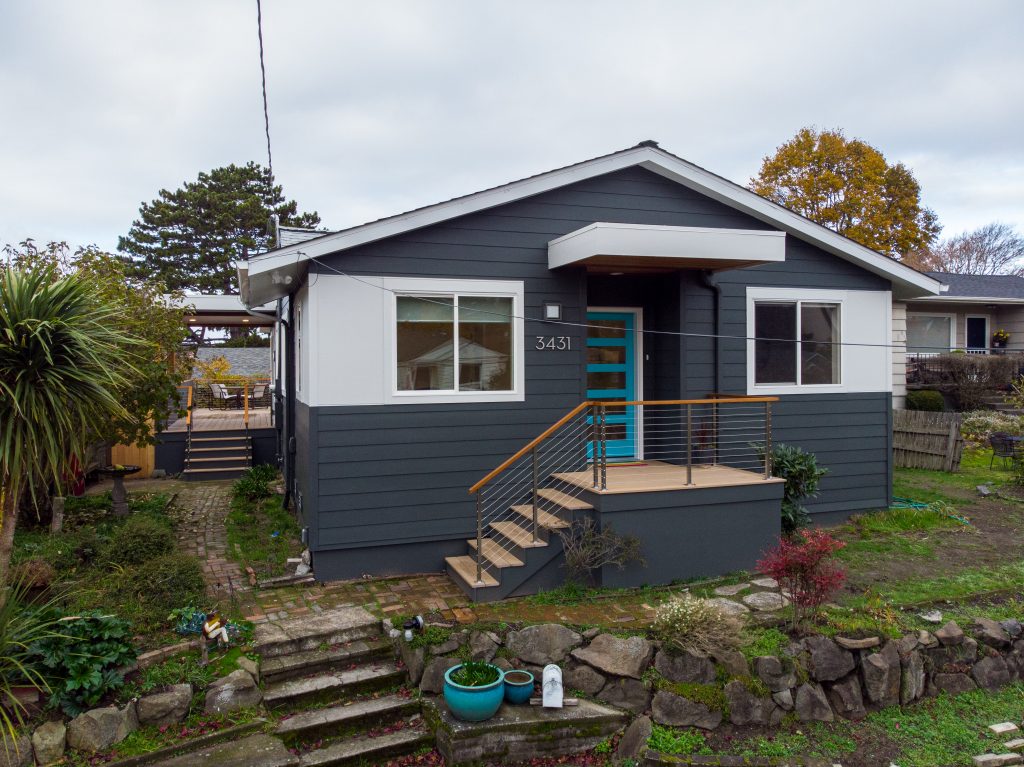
point(473, 704)
point(518, 692)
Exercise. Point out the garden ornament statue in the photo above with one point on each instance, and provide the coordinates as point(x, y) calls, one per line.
point(552, 686)
point(215, 629)
point(411, 625)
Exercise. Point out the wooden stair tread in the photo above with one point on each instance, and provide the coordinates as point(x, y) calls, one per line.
point(219, 459)
point(215, 449)
point(465, 568)
point(239, 438)
point(518, 535)
point(495, 554)
point(545, 519)
point(564, 500)
point(239, 467)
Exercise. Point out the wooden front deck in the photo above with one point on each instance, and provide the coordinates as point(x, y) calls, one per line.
point(211, 419)
point(658, 476)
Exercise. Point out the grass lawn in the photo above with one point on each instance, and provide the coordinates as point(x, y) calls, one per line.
point(262, 535)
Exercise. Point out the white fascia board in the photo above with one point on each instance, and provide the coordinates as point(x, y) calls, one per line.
point(942, 299)
point(669, 242)
point(907, 280)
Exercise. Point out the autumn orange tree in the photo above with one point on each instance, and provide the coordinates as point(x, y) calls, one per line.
point(848, 186)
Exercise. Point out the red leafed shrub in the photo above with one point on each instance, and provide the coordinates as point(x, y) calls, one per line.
point(806, 572)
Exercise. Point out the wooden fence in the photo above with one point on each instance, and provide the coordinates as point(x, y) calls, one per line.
point(926, 440)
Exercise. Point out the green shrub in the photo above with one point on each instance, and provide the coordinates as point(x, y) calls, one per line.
point(668, 740)
point(925, 399)
point(800, 470)
point(475, 674)
point(171, 581)
point(141, 538)
point(254, 483)
point(82, 663)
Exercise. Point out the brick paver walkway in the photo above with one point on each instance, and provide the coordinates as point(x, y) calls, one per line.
point(200, 509)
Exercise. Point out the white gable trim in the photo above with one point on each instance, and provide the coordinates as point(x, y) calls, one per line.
point(906, 281)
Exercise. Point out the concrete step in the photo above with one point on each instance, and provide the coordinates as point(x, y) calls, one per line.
point(309, 632)
point(333, 686)
point(282, 667)
point(312, 725)
point(254, 751)
point(367, 750)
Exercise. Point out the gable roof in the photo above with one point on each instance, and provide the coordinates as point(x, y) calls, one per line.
point(998, 288)
point(281, 270)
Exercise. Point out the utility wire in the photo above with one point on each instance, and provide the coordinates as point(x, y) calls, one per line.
point(263, 74)
point(636, 331)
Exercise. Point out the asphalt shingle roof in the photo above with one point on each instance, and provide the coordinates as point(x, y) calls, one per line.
point(981, 285)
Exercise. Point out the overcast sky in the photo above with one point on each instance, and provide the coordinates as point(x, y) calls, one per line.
point(378, 107)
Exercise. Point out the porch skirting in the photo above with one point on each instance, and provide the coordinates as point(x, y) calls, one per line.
point(692, 533)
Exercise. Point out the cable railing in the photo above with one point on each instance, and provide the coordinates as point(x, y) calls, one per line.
point(723, 439)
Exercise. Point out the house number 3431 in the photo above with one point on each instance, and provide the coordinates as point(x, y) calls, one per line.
point(555, 343)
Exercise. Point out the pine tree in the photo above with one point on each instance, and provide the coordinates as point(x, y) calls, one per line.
point(189, 238)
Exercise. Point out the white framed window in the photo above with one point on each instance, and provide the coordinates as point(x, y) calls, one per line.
point(460, 344)
point(806, 341)
point(454, 343)
point(930, 334)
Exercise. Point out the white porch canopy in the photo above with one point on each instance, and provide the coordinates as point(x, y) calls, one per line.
point(640, 247)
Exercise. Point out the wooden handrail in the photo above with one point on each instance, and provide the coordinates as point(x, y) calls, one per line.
point(530, 446)
point(714, 400)
point(188, 408)
point(245, 394)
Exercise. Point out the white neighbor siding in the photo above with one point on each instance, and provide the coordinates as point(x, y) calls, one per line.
point(899, 355)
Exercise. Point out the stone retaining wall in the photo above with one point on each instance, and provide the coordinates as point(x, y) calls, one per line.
point(815, 679)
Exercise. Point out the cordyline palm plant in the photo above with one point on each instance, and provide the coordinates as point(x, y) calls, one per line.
point(61, 361)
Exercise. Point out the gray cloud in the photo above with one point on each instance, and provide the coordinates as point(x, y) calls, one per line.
point(380, 107)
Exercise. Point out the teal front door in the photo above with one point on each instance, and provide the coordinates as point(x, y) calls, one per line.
point(611, 376)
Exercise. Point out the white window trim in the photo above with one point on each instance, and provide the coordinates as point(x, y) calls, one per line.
point(944, 315)
point(795, 295)
point(445, 287)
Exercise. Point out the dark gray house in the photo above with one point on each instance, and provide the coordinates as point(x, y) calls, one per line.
point(618, 341)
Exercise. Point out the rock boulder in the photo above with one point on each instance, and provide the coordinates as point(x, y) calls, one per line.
point(811, 704)
point(540, 645)
point(677, 711)
point(234, 692)
point(169, 707)
point(828, 661)
point(684, 667)
point(612, 655)
point(100, 728)
point(49, 741)
point(630, 694)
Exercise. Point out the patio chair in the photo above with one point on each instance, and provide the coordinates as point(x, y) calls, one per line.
point(257, 394)
point(222, 398)
point(1004, 446)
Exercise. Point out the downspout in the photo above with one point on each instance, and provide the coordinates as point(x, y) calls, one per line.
point(288, 442)
point(710, 281)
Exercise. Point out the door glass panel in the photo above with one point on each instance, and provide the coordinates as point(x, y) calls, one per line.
point(606, 380)
point(606, 328)
point(614, 431)
point(606, 355)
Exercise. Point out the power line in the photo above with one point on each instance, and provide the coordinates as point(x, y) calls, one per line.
point(637, 331)
point(263, 75)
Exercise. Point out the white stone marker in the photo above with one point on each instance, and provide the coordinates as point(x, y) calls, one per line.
point(552, 686)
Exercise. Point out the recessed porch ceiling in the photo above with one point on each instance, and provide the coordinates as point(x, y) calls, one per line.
point(639, 247)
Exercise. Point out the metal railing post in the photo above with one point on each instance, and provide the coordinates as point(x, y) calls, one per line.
point(689, 444)
point(767, 440)
point(595, 452)
point(714, 432)
point(533, 454)
point(604, 447)
point(479, 540)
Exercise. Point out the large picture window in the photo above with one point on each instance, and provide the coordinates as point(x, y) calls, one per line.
point(454, 343)
point(797, 343)
point(929, 334)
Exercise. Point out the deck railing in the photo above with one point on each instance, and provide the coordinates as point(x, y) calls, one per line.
point(574, 454)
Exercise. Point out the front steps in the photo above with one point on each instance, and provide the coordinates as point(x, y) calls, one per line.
point(511, 555)
point(341, 658)
point(222, 454)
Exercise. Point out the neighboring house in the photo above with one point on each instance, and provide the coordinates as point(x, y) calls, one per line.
point(249, 362)
point(422, 352)
point(964, 317)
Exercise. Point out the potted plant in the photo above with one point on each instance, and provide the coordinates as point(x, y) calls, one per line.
point(474, 690)
point(1000, 338)
point(518, 686)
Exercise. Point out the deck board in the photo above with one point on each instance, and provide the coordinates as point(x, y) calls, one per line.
point(656, 476)
point(209, 419)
